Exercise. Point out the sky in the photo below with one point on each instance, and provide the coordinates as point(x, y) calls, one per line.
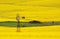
point(42, 10)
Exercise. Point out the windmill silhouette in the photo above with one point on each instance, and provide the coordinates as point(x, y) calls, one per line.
point(18, 22)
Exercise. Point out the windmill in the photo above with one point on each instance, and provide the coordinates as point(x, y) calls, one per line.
point(18, 22)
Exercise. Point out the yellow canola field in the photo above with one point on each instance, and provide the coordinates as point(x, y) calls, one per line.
point(45, 32)
point(42, 10)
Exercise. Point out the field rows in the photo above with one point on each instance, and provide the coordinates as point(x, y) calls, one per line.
point(50, 32)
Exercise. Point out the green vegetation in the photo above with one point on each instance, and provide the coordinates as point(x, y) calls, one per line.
point(27, 24)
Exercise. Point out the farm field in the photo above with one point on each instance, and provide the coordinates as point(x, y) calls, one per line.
point(42, 10)
point(46, 32)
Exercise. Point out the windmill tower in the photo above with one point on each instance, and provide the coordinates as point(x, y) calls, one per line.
point(18, 22)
